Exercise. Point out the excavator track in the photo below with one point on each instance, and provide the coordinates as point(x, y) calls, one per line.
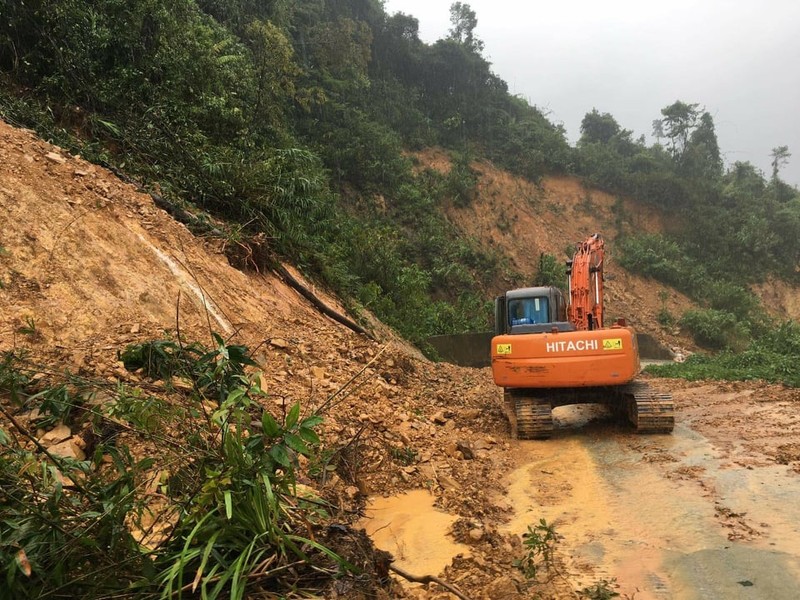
point(649, 411)
point(531, 419)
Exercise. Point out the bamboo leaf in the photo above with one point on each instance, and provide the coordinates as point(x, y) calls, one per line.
point(206, 553)
point(228, 505)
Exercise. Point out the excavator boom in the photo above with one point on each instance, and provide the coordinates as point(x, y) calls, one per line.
point(585, 278)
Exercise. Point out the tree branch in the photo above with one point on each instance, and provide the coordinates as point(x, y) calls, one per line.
point(428, 579)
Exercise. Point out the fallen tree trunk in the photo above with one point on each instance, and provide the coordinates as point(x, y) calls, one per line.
point(295, 283)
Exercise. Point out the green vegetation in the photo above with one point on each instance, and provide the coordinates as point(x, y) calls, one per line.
point(602, 590)
point(218, 513)
point(551, 272)
point(771, 356)
point(289, 122)
point(729, 229)
point(540, 544)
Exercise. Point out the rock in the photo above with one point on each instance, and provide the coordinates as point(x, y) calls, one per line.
point(318, 372)
point(332, 480)
point(451, 450)
point(136, 328)
point(29, 416)
point(67, 449)
point(56, 435)
point(279, 343)
point(439, 418)
point(465, 450)
point(502, 587)
point(471, 413)
point(476, 534)
point(56, 158)
point(448, 482)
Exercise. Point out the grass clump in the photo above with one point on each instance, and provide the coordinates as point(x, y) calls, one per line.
point(207, 504)
point(540, 544)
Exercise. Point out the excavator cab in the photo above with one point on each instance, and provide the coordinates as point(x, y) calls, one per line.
point(531, 310)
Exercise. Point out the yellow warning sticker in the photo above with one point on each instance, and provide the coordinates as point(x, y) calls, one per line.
point(504, 348)
point(612, 344)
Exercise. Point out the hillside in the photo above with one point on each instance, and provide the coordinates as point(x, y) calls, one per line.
point(521, 220)
point(90, 265)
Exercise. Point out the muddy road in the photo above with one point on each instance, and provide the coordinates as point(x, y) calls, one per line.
point(710, 511)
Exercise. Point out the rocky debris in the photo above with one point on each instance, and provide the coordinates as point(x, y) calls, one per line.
point(56, 158)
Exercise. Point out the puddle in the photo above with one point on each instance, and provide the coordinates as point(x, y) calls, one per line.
point(413, 531)
point(624, 510)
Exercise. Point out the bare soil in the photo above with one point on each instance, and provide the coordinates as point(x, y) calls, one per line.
point(88, 265)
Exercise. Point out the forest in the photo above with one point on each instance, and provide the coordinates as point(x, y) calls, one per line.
point(293, 123)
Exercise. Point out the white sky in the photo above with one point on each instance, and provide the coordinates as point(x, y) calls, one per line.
point(740, 59)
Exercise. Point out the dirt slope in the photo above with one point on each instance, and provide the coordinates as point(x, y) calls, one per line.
point(521, 220)
point(88, 264)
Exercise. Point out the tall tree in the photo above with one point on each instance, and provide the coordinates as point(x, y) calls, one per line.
point(679, 120)
point(780, 157)
point(276, 74)
point(658, 130)
point(702, 157)
point(598, 127)
point(464, 22)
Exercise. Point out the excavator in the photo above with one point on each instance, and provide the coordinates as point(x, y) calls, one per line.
point(550, 351)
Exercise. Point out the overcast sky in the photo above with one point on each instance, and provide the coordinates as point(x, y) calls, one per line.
point(631, 58)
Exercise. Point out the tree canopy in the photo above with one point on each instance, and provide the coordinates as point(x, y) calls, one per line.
point(287, 118)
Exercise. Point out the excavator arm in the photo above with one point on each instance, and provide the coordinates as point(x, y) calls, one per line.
point(585, 274)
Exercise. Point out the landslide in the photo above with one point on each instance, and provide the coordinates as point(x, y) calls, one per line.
point(89, 265)
point(521, 220)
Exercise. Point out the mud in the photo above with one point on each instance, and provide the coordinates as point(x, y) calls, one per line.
point(659, 517)
point(667, 516)
point(413, 530)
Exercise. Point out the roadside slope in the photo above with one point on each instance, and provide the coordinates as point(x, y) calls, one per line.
point(88, 265)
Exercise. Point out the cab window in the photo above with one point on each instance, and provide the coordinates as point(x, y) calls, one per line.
point(528, 311)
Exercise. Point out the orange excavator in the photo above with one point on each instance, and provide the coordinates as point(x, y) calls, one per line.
point(550, 352)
